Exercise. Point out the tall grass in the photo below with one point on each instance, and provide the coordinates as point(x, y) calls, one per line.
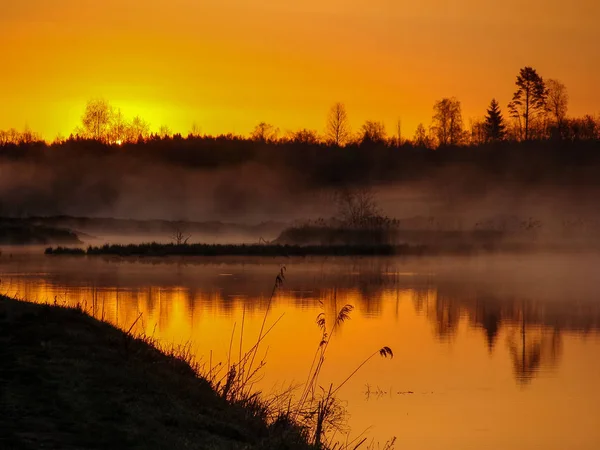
point(314, 412)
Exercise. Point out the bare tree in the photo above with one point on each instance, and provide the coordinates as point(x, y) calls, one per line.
point(196, 130)
point(139, 129)
point(557, 102)
point(447, 123)
point(373, 132)
point(529, 101)
point(13, 136)
point(179, 236)
point(338, 126)
point(304, 136)
point(264, 132)
point(584, 128)
point(356, 207)
point(421, 139)
point(119, 128)
point(28, 136)
point(96, 119)
point(164, 132)
point(478, 133)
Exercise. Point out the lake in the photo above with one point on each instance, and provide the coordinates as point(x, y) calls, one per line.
point(490, 352)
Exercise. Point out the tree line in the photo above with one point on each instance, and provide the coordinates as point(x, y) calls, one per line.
point(537, 111)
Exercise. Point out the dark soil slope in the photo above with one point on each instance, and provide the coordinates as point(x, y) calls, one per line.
point(68, 381)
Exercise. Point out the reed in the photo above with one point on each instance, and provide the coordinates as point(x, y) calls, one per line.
point(316, 413)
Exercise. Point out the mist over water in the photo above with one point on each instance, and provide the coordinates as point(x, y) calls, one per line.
point(254, 193)
point(151, 191)
point(207, 179)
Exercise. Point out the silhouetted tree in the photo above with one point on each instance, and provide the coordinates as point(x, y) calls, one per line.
point(421, 139)
point(264, 132)
point(304, 136)
point(397, 139)
point(338, 125)
point(373, 132)
point(139, 130)
point(494, 127)
point(14, 136)
point(447, 123)
point(477, 136)
point(179, 236)
point(529, 101)
point(96, 119)
point(119, 128)
point(195, 131)
point(59, 139)
point(356, 207)
point(586, 128)
point(28, 136)
point(558, 103)
point(164, 132)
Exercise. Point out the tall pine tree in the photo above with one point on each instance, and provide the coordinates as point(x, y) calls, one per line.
point(494, 127)
point(529, 101)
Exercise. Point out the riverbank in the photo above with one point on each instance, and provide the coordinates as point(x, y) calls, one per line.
point(70, 381)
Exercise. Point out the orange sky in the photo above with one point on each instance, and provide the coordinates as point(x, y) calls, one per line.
point(228, 64)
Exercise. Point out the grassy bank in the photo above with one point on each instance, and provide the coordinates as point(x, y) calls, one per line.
point(72, 382)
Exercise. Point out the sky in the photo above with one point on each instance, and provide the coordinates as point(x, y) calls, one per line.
point(227, 65)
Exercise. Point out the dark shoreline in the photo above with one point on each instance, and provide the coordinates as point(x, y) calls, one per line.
point(70, 381)
point(278, 250)
point(156, 249)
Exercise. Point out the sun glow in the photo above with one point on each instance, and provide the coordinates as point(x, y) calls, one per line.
point(229, 65)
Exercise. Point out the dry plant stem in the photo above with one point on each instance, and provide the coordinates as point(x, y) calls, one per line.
point(133, 324)
point(244, 359)
point(357, 439)
point(343, 315)
point(230, 346)
point(242, 333)
point(323, 412)
point(383, 351)
point(353, 372)
point(359, 444)
point(262, 327)
point(278, 281)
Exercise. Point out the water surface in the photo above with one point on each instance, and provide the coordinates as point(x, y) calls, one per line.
point(491, 352)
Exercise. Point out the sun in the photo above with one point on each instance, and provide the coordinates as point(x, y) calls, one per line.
point(119, 142)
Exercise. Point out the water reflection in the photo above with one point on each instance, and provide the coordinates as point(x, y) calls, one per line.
point(171, 296)
point(495, 352)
